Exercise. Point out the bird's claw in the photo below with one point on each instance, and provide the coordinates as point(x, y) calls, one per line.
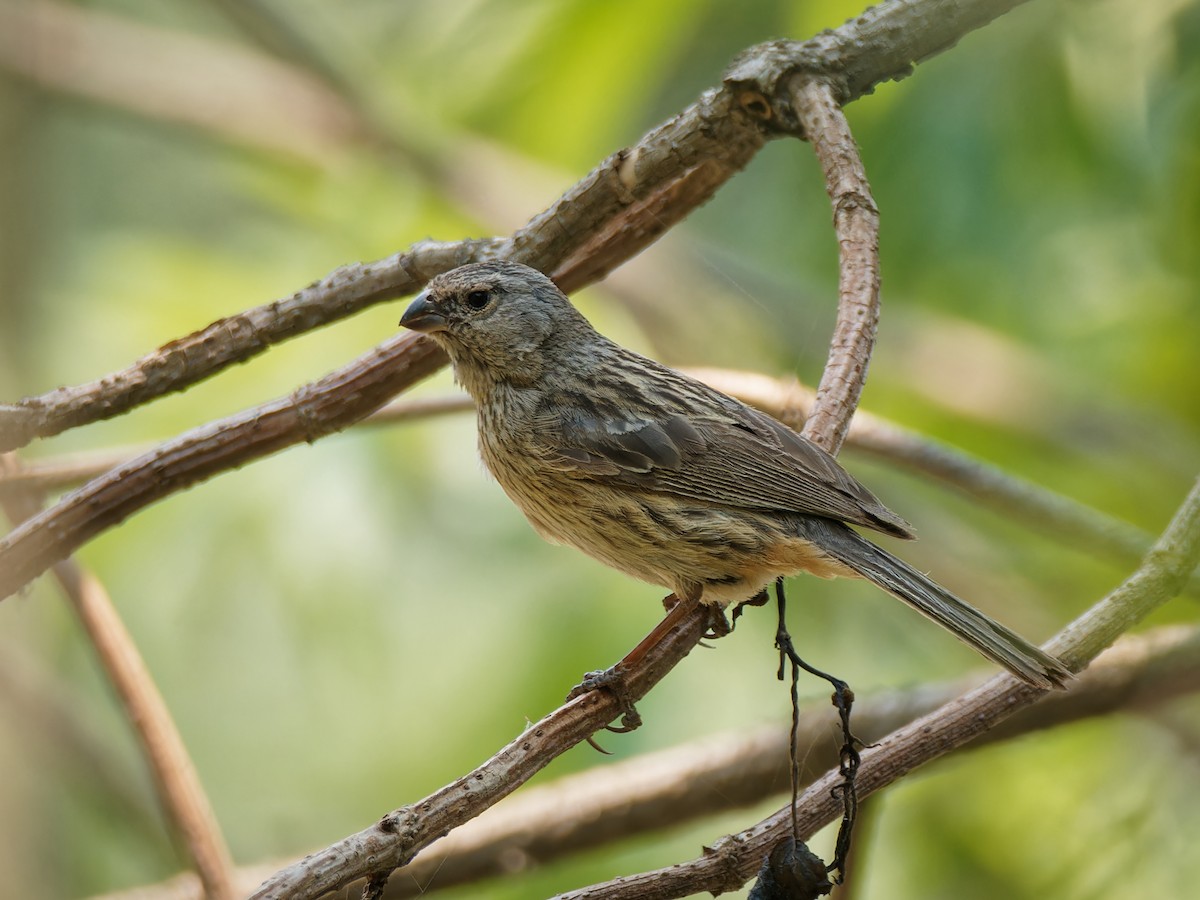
point(759, 599)
point(612, 680)
point(718, 624)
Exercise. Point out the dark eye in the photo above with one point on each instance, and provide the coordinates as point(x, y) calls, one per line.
point(478, 299)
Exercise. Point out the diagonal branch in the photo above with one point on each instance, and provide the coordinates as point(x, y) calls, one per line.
point(176, 781)
point(399, 835)
point(856, 224)
point(724, 128)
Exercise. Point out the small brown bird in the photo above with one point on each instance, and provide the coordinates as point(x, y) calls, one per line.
point(659, 475)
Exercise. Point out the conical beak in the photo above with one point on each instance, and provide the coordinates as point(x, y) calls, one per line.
point(423, 315)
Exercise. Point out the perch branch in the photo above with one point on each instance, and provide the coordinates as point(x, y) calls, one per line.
point(399, 835)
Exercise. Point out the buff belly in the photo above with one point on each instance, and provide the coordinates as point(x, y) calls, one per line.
point(728, 555)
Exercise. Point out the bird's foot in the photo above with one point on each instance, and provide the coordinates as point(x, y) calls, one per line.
point(612, 680)
point(759, 599)
point(718, 624)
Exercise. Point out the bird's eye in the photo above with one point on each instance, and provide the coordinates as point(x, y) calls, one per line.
point(478, 299)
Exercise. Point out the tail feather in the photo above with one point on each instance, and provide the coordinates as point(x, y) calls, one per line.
point(898, 578)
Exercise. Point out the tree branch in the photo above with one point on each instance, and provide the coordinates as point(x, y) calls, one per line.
point(399, 835)
point(723, 129)
point(856, 224)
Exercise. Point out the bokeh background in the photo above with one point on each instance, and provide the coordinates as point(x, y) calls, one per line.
point(345, 627)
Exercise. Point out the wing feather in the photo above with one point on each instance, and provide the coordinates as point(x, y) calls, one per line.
point(729, 454)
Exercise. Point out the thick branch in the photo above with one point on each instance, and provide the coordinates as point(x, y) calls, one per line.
point(882, 44)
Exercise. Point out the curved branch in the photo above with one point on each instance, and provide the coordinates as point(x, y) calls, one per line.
point(856, 224)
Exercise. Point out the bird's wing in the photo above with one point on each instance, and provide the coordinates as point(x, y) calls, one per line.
point(728, 455)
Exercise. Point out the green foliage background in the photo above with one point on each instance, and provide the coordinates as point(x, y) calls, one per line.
point(345, 627)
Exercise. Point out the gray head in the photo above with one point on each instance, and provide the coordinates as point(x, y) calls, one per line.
point(496, 320)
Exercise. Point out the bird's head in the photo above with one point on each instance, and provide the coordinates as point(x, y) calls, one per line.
point(496, 321)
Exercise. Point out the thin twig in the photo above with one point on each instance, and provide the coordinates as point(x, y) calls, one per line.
point(318, 409)
point(184, 362)
point(71, 470)
point(856, 224)
point(175, 778)
point(734, 859)
point(665, 789)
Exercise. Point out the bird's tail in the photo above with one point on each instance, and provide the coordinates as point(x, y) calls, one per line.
point(901, 580)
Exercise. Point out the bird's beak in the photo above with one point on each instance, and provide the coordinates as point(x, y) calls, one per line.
point(423, 315)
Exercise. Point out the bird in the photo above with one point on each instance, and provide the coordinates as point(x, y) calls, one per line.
point(660, 476)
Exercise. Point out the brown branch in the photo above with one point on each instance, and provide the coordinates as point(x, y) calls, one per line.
point(733, 860)
point(175, 778)
point(315, 410)
point(724, 127)
point(665, 789)
point(856, 224)
point(182, 363)
point(399, 835)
